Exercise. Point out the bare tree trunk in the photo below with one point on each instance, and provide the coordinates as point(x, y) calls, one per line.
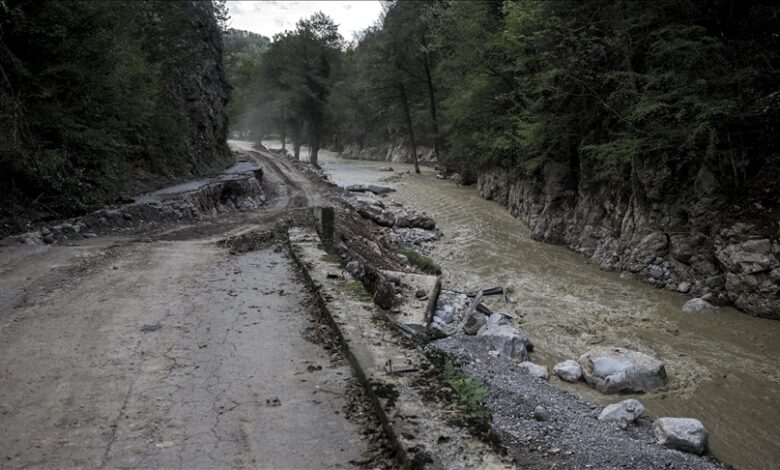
point(432, 105)
point(296, 138)
point(283, 130)
point(314, 145)
point(409, 127)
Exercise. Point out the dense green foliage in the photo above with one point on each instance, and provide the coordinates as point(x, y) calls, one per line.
point(247, 108)
point(603, 87)
point(93, 94)
point(298, 72)
point(470, 390)
point(284, 87)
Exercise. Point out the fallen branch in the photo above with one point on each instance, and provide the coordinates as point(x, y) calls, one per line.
point(472, 308)
point(491, 291)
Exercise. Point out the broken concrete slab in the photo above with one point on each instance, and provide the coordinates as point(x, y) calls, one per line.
point(413, 310)
point(415, 423)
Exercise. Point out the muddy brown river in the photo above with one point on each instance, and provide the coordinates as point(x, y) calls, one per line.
point(723, 369)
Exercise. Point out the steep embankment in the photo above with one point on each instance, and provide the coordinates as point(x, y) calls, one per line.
point(102, 98)
point(679, 235)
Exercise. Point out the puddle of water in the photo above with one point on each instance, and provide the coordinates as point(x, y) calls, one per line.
point(723, 369)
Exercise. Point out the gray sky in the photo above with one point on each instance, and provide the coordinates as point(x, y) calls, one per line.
point(271, 17)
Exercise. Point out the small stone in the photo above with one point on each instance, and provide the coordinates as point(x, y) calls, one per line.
point(421, 293)
point(656, 272)
point(535, 370)
point(625, 411)
point(699, 306)
point(474, 323)
point(540, 414)
point(48, 239)
point(568, 370)
point(684, 287)
point(353, 267)
point(45, 231)
point(685, 434)
point(506, 339)
point(127, 216)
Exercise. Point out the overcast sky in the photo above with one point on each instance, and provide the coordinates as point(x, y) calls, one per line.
point(268, 18)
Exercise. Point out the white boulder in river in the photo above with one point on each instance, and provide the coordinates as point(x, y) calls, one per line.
point(699, 306)
point(506, 339)
point(627, 410)
point(568, 370)
point(615, 370)
point(685, 434)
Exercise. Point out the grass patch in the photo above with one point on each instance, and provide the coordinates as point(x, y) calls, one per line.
point(422, 262)
point(330, 259)
point(356, 289)
point(470, 390)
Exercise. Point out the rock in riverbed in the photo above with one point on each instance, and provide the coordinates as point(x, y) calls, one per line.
point(535, 370)
point(506, 339)
point(699, 306)
point(474, 323)
point(369, 188)
point(568, 370)
point(615, 370)
point(685, 434)
point(627, 410)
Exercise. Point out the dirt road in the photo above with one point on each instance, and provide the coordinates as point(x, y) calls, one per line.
point(167, 351)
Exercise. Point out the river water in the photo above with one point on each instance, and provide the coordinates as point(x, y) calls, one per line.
point(723, 369)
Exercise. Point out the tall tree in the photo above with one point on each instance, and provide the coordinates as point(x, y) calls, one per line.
point(299, 65)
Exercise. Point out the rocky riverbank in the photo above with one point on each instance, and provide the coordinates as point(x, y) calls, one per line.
point(683, 245)
point(538, 424)
point(397, 152)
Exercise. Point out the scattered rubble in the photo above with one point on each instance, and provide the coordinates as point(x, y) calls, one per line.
point(544, 426)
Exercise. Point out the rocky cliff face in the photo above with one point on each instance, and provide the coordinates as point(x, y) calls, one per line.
point(674, 238)
point(202, 93)
point(396, 152)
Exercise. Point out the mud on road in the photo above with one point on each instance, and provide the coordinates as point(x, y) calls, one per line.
point(156, 347)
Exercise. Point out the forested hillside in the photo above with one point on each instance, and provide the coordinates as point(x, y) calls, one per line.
point(598, 123)
point(97, 96)
point(247, 110)
point(597, 86)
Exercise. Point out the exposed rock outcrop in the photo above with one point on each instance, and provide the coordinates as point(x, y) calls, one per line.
point(396, 151)
point(667, 236)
